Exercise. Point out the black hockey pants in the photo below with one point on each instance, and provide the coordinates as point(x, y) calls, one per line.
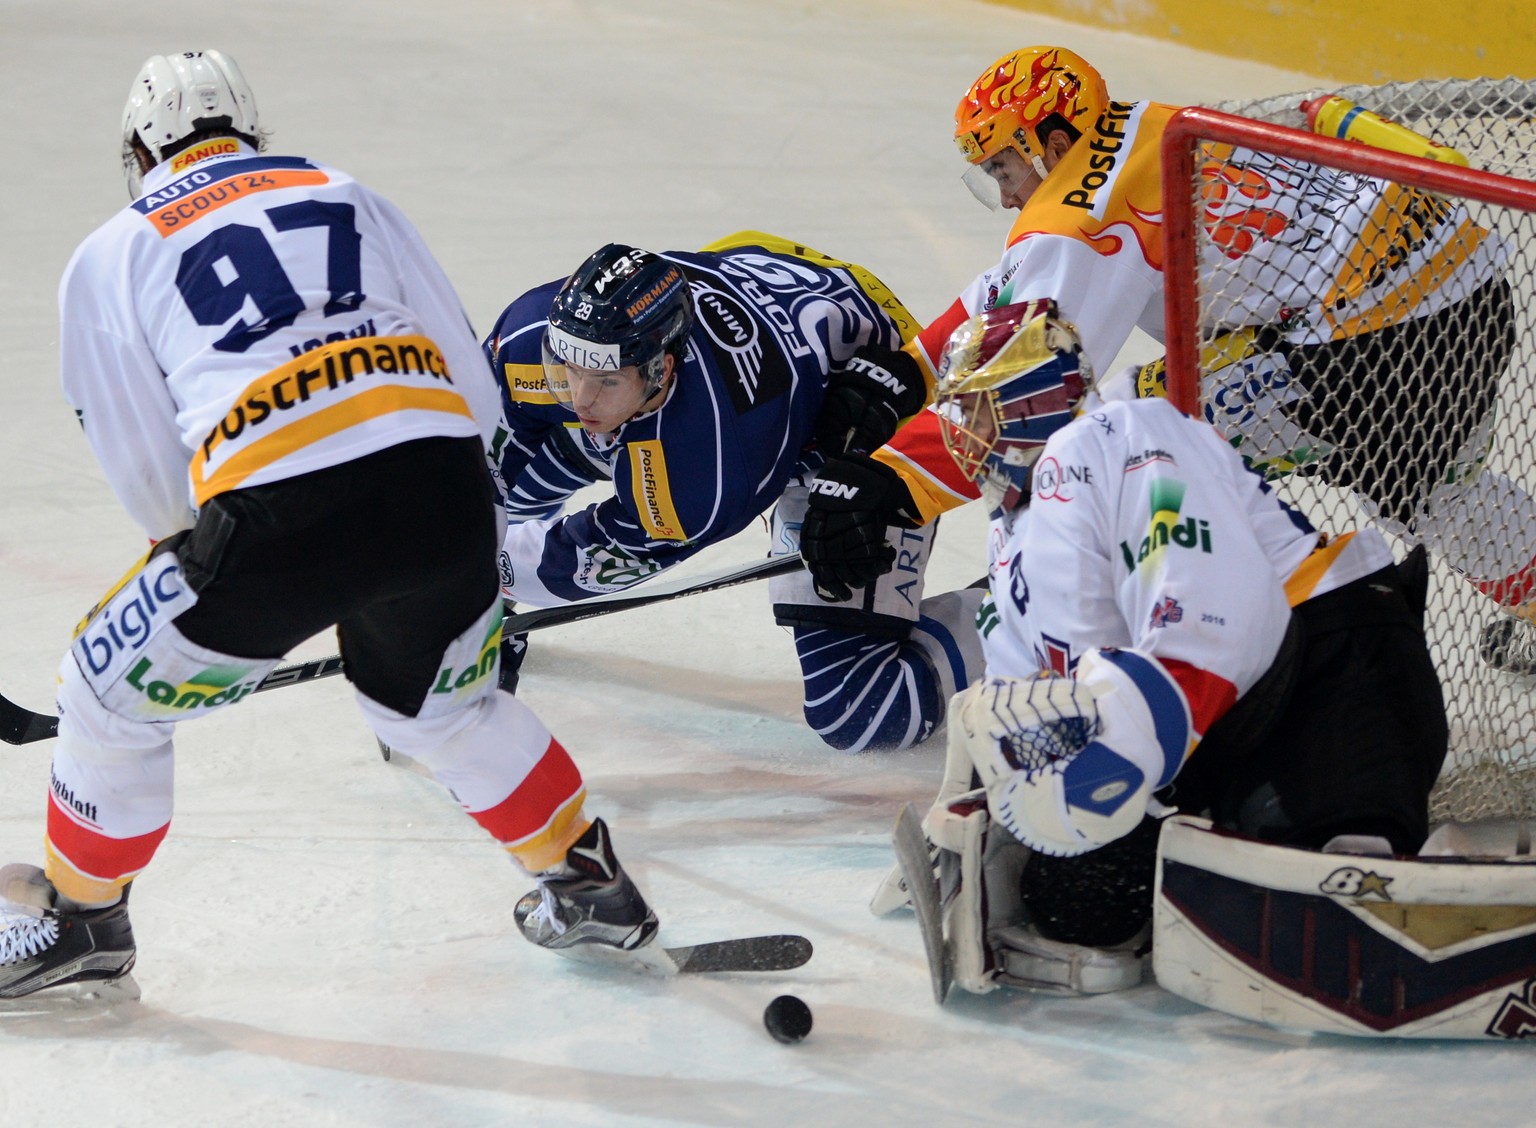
point(396, 549)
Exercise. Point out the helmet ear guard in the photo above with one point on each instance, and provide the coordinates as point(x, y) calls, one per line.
point(1009, 379)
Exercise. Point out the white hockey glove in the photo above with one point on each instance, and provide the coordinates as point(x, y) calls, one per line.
point(1070, 764)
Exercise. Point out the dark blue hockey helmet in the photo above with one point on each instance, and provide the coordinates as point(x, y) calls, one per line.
point(623, 307)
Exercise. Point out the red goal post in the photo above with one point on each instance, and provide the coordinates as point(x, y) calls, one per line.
point(1491, 770)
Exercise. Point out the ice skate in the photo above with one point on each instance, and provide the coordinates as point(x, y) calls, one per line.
point(588, 905)
point(73, 955)
point(1509, 644)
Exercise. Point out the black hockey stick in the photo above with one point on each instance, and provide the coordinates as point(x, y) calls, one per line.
point(19, 725)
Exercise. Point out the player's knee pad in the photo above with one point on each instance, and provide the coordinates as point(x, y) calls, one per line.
point(134, 664)
point(888, 607)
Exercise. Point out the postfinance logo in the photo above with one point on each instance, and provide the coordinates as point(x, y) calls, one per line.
point(653, 490)
point(207, 689)
point(1166, 500)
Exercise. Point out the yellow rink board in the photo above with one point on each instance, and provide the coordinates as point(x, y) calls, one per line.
point(1345, 40)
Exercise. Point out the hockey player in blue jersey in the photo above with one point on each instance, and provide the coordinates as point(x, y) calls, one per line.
point(708, 387)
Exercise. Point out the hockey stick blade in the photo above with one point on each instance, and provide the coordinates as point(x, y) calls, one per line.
point(749, 953)
point(22, 726)
point(19, 725)
point(917, 867)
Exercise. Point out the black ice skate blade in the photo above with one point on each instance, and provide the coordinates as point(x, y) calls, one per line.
point(80, 998)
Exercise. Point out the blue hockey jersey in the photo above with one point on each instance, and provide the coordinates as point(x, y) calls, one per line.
point(771, 320)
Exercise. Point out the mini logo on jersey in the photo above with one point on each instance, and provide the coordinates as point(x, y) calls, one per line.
point(202, 191)
point(1166, 611)
point(1352, 881)
point(451, 680)
point(610, 569)
point(653, 491)
point(212, 687)
point(217, 148)
point(753, 363)
point(1054, 656)
point(67, 798)
point(987, 617)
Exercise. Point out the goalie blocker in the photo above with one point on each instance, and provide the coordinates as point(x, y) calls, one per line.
point(1346, 944)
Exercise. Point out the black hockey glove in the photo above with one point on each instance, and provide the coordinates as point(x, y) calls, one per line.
point(853, 499)
point(867, 399)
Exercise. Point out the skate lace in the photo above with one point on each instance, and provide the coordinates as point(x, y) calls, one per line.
point(548, 911)
point(23, 936)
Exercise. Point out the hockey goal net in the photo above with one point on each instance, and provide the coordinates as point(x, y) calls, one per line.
point(1442, 449)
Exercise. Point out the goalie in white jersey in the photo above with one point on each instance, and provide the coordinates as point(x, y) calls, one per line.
point(1163, 634)
point(283, 390)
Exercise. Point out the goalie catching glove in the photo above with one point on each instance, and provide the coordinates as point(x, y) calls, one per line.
point(1070, 764)
point(853, 501)
point(867, 399)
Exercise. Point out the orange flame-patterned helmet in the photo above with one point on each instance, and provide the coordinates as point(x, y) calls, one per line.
point(1016, 94)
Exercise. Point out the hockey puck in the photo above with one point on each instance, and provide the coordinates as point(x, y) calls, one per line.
point(788, 1019)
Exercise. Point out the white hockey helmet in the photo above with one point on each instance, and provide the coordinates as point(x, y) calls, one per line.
point(176, 96)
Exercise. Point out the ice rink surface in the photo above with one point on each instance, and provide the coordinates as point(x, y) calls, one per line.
point(325, 939)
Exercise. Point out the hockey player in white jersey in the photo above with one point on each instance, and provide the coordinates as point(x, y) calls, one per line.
point(1162, 634)
point(1339, 294)
point(283, 391)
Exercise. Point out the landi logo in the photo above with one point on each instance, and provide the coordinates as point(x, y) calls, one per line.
point(451, 679)
point(208, 689)
point(1166, 498)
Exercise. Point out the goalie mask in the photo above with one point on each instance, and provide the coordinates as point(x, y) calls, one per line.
point(177, 98)
point(1009, 380)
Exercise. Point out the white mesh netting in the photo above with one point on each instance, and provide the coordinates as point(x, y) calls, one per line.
point(1430, 431)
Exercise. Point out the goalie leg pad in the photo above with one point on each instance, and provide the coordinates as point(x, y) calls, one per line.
point(990, 935)
point(979, 868)
point(1369, 946)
